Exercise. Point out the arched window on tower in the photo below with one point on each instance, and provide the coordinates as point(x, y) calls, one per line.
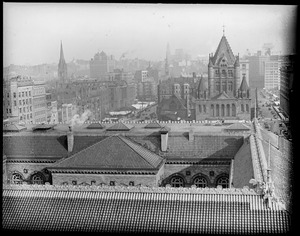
point(37, 179)
point(16, 178)
point(223, 181)
point(177, 182)
point(223, 73)
point(200, 182)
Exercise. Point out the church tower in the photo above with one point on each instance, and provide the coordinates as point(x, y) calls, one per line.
point(167, 61)
point(62, 66)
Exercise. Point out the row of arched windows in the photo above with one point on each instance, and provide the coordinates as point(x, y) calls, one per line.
point(199, 181)
point(37, 178)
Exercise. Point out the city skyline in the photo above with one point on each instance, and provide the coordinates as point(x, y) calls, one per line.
point(140, 30)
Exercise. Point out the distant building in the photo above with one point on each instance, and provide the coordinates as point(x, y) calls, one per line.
point(257, 70)
point(286, 82)
point(244, 69)
point(224, 95)
point(101, 65)
point(39, 103)
point(140, 76)
point(147, 90)
point(25, 99)
point(272, 72)
point(67, 112)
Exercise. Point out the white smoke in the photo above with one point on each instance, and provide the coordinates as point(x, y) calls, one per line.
point(79, 120)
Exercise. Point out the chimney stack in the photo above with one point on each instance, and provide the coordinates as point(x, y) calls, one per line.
point(191, 135)
point(164, 133)
point(70, 139)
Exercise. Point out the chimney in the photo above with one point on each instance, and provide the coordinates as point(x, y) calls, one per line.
point(191, 135)
point(70, 139)
point(164, 139)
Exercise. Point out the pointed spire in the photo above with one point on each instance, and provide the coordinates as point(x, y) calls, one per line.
point(223, 30)
point(62, 58)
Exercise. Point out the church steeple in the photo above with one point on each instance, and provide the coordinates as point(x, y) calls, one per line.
point(62, 65)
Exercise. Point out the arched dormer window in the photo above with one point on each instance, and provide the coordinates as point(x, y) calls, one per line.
point(37, 178)
point(177, 182)
point(16, 178)
point(223, 181)
point(200, 182)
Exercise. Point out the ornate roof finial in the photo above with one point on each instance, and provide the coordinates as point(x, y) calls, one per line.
point(223, 30)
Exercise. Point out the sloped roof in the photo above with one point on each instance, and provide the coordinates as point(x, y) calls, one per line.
point(237, 127)
point(37, 147)
point(120, 127)
point(134, 210)
point(114, 152)
point(224, 50)
point(153, 125)
point(95, 126)
point(202, 86)
point(243, 166)
point(221, 96)
point(203, 146)
point(13, 128)
point(43, 127)
point(244, 85)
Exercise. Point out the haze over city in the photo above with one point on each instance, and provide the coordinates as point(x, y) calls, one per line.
point(33, 31)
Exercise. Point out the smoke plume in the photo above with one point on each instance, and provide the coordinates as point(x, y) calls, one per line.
point(79, 120)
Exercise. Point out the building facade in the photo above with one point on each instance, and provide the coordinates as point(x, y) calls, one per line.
point(286, 82)
point(272, 73)
point(225, 95)
point(101, 65)
point(39, 103)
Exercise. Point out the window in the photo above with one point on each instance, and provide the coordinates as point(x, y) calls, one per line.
point(15, 95)
point(230, 87)
point(26, 94)
point(21, 117)
point(223, 86)
point(200, 108)
point(200, 182)
point(223, 181)
point(29, 93)
point(8, 95)
point(218, 86)
point(217, 72)
point(17, 178)
point(19, 94)
point(131, 183)
point(242, 107)
point(204, 108)
point(230, 74)
point(112, 183)
point(247, 107)
point(93, 182)
point(23, 101)
point(23, 109)
point(176, 182)
point(15, 103)
point(30, 115)
point(9, 110)
point(37, 179)
point(22, 94)
point(224, 73)
point(20, 102)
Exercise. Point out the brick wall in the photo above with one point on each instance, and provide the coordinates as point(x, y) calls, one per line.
point(146, 180)
point(183, 169)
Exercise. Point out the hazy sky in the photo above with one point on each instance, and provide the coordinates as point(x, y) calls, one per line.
point(33, 31)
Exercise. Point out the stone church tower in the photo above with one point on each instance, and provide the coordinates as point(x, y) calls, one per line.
point(225, 97)
point(62, 66)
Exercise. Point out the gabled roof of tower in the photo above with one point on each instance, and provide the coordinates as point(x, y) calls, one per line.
point(202, 86)
point(221, 96)
point(61, 58)
point(244, 85)
point(224, 49)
